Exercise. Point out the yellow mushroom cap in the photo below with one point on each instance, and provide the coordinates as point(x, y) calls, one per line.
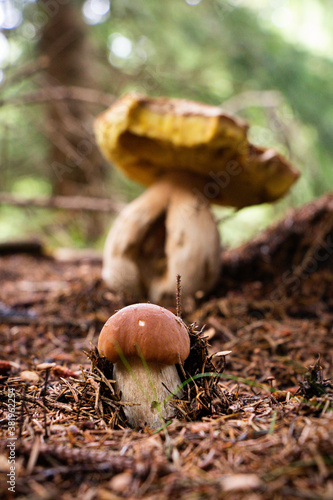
point(150, 137)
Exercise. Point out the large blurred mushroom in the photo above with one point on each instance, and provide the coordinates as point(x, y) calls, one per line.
point(190, 155)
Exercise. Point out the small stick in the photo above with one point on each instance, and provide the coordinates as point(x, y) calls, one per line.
point(178, 296)
point(22, 411)
point(85, 388)
point(43, 394)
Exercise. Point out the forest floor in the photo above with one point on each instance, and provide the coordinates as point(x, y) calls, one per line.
point(262, 429)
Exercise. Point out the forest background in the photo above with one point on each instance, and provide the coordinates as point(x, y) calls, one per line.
point(62, 62)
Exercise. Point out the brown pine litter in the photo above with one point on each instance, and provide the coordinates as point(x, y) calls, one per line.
point(261, 427)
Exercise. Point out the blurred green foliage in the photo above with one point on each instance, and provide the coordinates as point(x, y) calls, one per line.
point(270, 62)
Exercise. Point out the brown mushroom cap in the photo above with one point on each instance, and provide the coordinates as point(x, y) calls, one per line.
point(150, 137)
point(151, 330)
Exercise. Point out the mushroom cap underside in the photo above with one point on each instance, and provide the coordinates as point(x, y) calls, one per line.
point(150, 137)
point(145, 330)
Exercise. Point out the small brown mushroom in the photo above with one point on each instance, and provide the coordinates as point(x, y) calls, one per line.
point(145, 342)
point(190, 155)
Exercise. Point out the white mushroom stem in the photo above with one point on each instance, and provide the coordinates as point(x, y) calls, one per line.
point(168, 230)
point(192, 246)
point(125, 241)
point(149, 389)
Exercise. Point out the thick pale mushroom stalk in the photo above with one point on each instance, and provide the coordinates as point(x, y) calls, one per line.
point(122, 249)
point(151, 387)
point(168, 230)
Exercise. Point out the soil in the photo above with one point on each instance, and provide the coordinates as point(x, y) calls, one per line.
point(260, 427)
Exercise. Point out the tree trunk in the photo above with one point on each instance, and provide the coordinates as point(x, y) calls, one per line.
point(77, 167)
